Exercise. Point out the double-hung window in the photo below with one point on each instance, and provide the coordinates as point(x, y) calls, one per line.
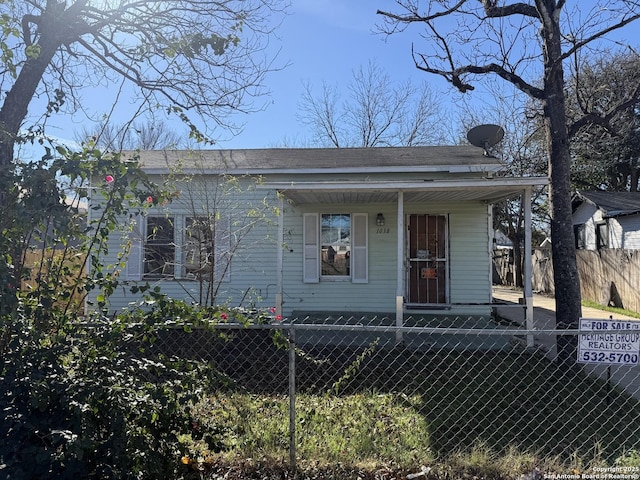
point(207, 248)
point(579, 232)
point(159, 247)
point(183, 246)
point(335, 247)
point(602, 235)
point(199, 245)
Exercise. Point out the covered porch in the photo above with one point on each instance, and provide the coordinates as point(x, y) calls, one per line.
point(400, 194)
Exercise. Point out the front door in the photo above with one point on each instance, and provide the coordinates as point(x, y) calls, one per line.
point(427, 251)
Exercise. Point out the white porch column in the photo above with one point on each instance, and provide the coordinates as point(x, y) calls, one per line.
point(280, 257)
point(528, 291)
point(400, 268)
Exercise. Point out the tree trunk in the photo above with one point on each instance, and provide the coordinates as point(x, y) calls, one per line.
point(567, 282)
point(16, 103)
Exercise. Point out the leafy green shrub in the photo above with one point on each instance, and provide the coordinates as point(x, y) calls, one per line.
point(88, 401)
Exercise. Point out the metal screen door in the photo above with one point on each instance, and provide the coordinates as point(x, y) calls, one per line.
point(427, 251)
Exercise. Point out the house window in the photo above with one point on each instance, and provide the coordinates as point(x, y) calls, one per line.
point(335, 244)
point(191, 247)
point(159, 247)
point(579, 233)
point(335, 247)
point(602, 235)
point(199, 245)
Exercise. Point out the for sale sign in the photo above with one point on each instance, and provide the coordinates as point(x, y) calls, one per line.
point(609, 342)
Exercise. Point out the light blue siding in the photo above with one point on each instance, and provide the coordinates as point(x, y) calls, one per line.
point(253, 276)
point(376, 295)
point(468, 261)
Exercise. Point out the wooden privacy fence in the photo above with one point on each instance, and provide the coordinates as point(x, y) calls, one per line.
point(36, 265)
point(611, 277)
point(542, 271)
point(607, 276)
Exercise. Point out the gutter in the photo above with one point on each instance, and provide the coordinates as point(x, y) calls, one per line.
point(485, 168)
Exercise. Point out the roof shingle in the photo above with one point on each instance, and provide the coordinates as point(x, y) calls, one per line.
point(436, 158)
point(613, 203)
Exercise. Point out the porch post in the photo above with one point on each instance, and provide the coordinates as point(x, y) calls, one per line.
point(528, 291)
point(280, 256)
point(400, 268)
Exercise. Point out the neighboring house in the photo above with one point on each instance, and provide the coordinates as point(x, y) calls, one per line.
point(606, 220)
point(384, 230)
point(501, 240)
point(76, 215)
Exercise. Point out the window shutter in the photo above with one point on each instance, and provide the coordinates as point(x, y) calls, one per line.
point(311, 253)
point(222, 249)
point(133, 268)
point(359, 250)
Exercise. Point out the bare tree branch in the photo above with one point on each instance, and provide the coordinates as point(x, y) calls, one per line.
point(415, 17)
point(199, 57)
point(493, 11)
point(454, 76)
point(376, 112)
point(475, 45)
point(598, 35)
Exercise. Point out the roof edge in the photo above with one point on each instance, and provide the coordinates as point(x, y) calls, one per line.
point(488, 168)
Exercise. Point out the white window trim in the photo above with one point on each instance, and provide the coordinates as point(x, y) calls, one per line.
point(134, 267)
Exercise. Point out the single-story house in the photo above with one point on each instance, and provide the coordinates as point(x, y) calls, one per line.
point(391, 230)
point(606, 220)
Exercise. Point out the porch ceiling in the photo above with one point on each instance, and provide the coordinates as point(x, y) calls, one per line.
point(486, 190)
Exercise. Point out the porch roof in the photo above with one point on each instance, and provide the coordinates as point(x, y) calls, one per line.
point(489, 190)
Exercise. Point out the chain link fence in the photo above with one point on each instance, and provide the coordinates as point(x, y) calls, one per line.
point(350, 388)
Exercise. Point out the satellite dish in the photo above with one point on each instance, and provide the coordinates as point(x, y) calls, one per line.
point(485, 136)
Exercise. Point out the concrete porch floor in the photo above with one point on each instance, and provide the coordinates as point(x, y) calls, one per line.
point(350, 330)
point(509, 313)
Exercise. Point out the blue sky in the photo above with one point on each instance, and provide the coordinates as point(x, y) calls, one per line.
point(328, 39)
point(325, 40)
point(320, 40)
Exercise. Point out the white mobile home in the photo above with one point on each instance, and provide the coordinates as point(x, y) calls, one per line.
point(385, 230)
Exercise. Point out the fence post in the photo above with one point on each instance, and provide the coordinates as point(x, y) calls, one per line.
point(400, 261)
point(292, 396)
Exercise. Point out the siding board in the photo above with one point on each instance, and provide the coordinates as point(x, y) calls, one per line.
point(253, 276)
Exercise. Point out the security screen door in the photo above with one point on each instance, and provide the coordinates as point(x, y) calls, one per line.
point(427, 250)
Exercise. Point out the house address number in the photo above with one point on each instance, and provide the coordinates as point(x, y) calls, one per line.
point(383, 230)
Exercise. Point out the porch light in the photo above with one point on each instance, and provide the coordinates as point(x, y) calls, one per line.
point(380, 220)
